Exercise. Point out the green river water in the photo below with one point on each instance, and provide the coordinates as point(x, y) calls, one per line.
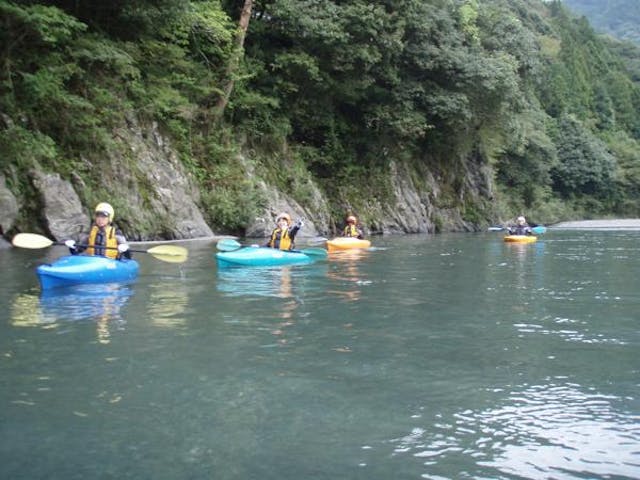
point(452, 356)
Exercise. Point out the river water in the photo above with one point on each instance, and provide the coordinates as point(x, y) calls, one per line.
point(452, 356)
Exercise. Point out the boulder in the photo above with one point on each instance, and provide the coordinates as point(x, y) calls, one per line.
point(8, 207)
point(62, 211)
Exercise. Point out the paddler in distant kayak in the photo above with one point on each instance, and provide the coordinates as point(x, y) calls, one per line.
point(352, 229)
point(102, 234)
point(282, 237)
point(521, 227)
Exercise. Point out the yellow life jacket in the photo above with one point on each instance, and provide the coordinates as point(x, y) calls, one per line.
point(350, 231)
point(108, 240)
point(281, 239)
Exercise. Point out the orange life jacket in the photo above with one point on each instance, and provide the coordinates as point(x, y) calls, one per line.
point(281, 239)
point(108, 240)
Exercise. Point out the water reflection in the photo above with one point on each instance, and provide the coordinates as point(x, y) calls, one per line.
point(256, 281)
point(167, 304)
point(345, 272)
point(277, 293)
point(102, 303)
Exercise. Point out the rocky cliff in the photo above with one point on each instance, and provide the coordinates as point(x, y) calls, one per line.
point(156, 198)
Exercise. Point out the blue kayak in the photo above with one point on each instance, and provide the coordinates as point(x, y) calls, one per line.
point(262, 257)
point(79, 269)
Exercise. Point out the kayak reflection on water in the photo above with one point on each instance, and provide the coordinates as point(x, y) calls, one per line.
point(102, 303)
point(346, 273)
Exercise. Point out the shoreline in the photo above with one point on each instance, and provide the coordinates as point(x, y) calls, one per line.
point(616, 224)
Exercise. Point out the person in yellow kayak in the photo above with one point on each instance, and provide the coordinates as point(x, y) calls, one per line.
point(352, 229)
point(521, 227)
point(283, 236)
point(103, 239)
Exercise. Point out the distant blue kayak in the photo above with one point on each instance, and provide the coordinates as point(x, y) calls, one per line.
point(79, 269)
point(262, 257)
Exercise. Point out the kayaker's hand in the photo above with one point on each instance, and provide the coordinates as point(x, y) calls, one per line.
point(71, 244)
point(299, 223)
point(123, 247)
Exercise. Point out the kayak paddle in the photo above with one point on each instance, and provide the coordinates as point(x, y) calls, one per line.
point(538, 229)
point(315, 240)
point(166, 253)
point(229, 245)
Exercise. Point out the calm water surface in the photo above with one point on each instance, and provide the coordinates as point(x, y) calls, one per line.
point(441, 357)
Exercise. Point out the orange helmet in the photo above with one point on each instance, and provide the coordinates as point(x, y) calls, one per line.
point(351, 219)
point(284, 215)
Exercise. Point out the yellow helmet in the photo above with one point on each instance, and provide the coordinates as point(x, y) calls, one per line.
point(285, 216)
point(351, 219)
point(105, 209)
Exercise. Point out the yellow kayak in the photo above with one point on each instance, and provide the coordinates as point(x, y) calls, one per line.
point(520, 238)
point(346, 243)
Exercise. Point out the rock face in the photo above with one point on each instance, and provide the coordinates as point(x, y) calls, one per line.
point(8, 206)
point(161, 199)
point(277, 202)
point(62, 210)
point(8, 210)
point(155, 198)
point(152, 195)
point(412, 210)
point(419, 205)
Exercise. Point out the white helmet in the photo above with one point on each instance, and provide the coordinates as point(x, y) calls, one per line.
point(105, 209)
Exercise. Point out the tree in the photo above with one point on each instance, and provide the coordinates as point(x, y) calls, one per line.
point(236, 55)
point(585, 166)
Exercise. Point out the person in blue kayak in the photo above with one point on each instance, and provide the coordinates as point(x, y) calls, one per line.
point(352, 229)
point(521, 227)
point(283, 236)
point(103, 239)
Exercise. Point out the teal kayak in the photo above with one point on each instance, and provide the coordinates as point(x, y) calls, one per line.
point(80, 269)
point(262, 257)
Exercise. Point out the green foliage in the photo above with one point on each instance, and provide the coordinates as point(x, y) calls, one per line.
point(230, 199)
point(468, 16)
point(627, 152)
point(584, 164)
point(619, 18)
point(24, 149)
point(333, 91)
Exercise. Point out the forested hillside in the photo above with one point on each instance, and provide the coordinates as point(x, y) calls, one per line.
point(342, 95)
point(618, 18)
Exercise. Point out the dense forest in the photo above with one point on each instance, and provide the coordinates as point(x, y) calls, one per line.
point(618, 18)
point(328, 91)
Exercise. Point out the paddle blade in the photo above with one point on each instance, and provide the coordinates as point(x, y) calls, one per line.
point(31, 240)
point(228, 245)
point(315, 240)
point(315, 252)
point(496, 229)
point(539, 229)
point(169, 253)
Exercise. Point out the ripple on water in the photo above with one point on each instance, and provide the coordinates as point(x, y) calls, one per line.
point(558, 326)
point(547, 431)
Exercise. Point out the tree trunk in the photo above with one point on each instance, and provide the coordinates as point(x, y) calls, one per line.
point(234, 62)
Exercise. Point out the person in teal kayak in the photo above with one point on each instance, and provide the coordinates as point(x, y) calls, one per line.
point(521, 227)
point(352, 229)
point(103, 239)
point(283, 236)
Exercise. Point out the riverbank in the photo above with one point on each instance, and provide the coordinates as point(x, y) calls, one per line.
point(616, 224)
